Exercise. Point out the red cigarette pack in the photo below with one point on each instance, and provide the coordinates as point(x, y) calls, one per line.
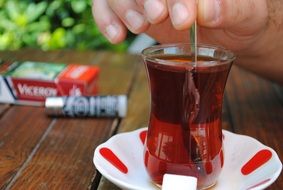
point(30, 82)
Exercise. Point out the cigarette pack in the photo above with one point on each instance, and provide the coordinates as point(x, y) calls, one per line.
point(30, 82)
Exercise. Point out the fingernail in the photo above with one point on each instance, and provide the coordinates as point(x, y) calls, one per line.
point(153, 9)
point(179, 14)
point(210, 10)
point(112, 32)
point(134, 19)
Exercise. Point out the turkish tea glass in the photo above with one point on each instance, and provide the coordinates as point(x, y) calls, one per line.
point(184, 132)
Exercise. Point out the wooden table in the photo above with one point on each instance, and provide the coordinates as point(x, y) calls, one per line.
point(38, 152)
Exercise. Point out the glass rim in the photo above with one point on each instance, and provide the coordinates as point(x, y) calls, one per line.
point(150, 51)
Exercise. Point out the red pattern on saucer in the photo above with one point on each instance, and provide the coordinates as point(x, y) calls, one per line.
point(260, 158)
point(143, 136)
point(113, 159)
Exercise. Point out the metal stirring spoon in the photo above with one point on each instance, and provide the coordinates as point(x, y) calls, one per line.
point(193, 41)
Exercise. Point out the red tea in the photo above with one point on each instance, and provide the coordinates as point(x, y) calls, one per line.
point(184, 135)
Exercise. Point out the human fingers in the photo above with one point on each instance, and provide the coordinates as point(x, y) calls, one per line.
point(155, 10)
point(168, 34)
point(232, 13)
point(108, 23)
point(182, 13)
point(130, 13)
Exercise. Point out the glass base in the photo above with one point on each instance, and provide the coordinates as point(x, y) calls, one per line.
point(203, 188)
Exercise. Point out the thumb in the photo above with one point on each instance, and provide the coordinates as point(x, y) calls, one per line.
point(232, 13)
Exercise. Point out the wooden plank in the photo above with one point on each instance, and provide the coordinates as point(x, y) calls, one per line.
point(257, 111)
point(20, 130)
point(6, 55)
point(137, 117)
point(106, 185)
point(139, 104)
point(64, 159)
point(30, 55)
point(3, 109)
point(279, 91)
point(19, 139)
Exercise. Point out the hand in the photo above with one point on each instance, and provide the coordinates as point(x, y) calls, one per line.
point(244, 26)
point(234, 24)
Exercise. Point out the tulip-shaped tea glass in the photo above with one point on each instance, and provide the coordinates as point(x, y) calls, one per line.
point(184, 133)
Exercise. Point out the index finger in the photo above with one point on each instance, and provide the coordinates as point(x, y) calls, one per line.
point(182, 13)
point(108, 23)
point(155, 10)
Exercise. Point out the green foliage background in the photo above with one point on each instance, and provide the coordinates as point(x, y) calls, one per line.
point(50, 25)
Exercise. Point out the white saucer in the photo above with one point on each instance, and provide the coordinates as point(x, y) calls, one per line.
point(248, 165)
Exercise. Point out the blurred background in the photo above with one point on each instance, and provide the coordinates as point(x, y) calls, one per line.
point(52, 25)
